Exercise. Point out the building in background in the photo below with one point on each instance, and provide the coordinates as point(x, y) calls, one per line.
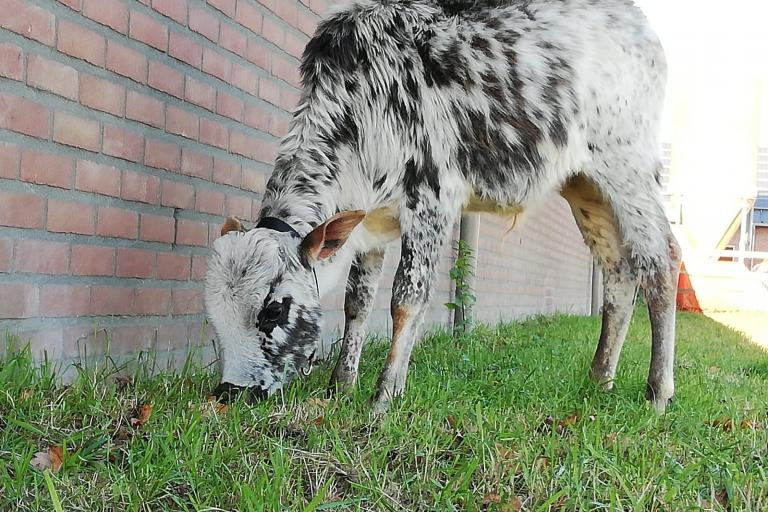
point(129, 129)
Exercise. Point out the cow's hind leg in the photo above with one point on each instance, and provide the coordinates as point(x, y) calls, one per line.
point(425, 225)
point(362, 284)
point(599, 227)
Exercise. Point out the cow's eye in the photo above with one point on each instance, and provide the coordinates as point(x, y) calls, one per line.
point(274, 314)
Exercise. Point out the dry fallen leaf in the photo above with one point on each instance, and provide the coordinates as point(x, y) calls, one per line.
point(541, 463)
point(721, 497)
point(318, 421)
point(725, 423)
point(713, 370)
point(51, 459)
point(314, 401)
point(505, 453)
point(123, 382)
point(749, 424)
point(25, 394)
point(611, 438)
point(513, 505)
point(144, 412)
point(491, 497)
point(560, 426)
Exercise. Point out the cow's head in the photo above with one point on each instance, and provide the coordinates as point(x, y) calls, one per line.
point(262, 299)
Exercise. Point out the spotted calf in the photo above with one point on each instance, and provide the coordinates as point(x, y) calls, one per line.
point(414, 110)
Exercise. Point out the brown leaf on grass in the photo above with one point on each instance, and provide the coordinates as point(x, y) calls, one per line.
point(142, 415)
point(749, 424)
point(213, 406)
point(560, 503)
point(25, 395)
point(713, 370)
point(559, 426)
point(505, 453)
point(721, 497)
point(513, 505)
point(320, 403)
point(491, 497)
point(723, 422)
point(611, 438)
point(51, 459)
point(451, 421)
point(318, 421)
point(541, 463)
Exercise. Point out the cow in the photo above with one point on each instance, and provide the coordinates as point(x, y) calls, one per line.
point(413, 111)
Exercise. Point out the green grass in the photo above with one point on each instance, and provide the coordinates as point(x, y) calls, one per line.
point(473, 427)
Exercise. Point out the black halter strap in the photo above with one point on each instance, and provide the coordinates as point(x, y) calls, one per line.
point(281, 226)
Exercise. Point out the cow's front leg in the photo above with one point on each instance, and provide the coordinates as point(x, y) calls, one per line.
point(362, 283)
point(424, 232)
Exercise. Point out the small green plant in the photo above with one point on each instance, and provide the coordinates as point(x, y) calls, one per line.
point(463, 299)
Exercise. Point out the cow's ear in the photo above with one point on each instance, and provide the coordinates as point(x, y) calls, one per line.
point(232, 224)
point(330, 236)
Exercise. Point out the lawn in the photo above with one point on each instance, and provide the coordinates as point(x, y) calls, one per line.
point(500, 419)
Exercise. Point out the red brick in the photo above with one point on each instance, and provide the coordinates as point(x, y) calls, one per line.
point(82, 43)
point(62, 300)
point(6, 255)
point(248, 16)
point(204, 24)
point(127, 62)
point(285, 70)
point(225, 6)
point(24, 116)
point(28, 20)
point(103, 95)
point(122, 144)
point(253, 180)
point(269, 91)
point(11, 61)
point(185, 49)
point(166, 79)
point(243, 144)
point(162, 155)
point(117, 222)
point(196, 164)
point(47, 168)
point(233, 40)
point(101, 179)
point(145, 109)
point(135, 263)
point(288, 11)
point(9, 160)
point(187, 301)
point(294, 45)
point(152, 301)
point(200, 94)
point(111, 300)
point(289, 99)
point(209, 201)
point(226, 172)
point(18, 300)
point(68, 217)
point(273, 32)
point(92, 260)
point(279, 125)
point(177, 195)
point(72, 4)
point(112, 13)
point(199, 268)
point(52, 76)
point(244, 79)
point(157, 228)
point(189, 232)
point(137, 186)
point(182, 122)
point(148, 30)
point(216, 65)
point(174, 9)
point(76, 131)
point(213, 133)
point(41, 257)
point(239, 206)
point(21, 210)
point(173, 266)
point(306, 23)
point(229, 106)
point(256, 117)
point(258, 54)
point(319, 6)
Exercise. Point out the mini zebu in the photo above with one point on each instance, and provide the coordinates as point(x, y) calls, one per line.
point(413, 110)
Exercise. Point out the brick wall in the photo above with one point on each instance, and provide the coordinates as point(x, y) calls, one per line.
point(129, 129)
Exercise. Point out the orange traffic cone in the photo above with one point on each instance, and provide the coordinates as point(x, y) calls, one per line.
point(686, 295)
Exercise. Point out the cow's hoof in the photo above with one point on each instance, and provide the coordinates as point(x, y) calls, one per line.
point(602, 379)
point(658, 402)
point(380, 407)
